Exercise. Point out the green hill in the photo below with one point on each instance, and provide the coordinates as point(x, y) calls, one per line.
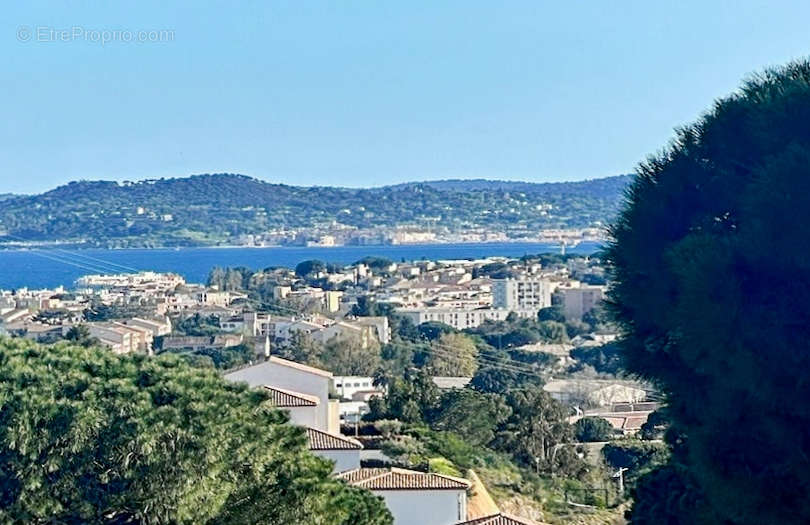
point(214, 209)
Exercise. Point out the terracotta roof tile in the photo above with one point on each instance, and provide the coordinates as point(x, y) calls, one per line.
point(401, 479)
point(319, 440)
point(497, 519)
point(289, 399)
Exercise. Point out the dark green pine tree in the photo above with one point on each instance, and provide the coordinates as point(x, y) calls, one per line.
point(87, 436)
point(711, 261)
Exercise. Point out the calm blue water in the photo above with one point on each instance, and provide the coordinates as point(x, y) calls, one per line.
point(51, 268)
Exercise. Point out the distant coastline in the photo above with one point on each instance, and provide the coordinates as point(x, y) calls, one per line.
point(42, 268)
point(68, 245)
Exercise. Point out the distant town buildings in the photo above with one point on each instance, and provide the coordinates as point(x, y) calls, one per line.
point(579, 301)
point(522, 294)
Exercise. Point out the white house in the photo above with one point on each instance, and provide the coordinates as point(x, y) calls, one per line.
point(303, 409)
point(344, 451)
point(415, 498)
point(497, 519)
point(595, 392)
point(347, 386)
point(300, 379)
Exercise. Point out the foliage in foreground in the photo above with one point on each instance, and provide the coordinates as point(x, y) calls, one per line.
point(90, 437)
point(711, 261)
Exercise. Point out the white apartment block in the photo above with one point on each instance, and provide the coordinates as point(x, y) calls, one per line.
point(460, 318)
point(522, 294)
point(579, 301)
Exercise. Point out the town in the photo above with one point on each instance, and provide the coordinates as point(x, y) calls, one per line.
point(335, 345)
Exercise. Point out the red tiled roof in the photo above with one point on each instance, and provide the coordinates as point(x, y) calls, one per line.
point(289, 399)
point(497, 519)
point(319, 440)
point(401, 479)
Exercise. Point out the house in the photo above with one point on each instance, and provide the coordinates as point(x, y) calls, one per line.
point(344, 451)
point(283, 331)
point(347, 386)
point(158, 328)
point(498, 519)
point(450, 382)
point(460, 318)
point(594, 392)
point(414, 498)
point(380, 326)
point(344, 330)
point(117, 338)
point(193, 343)
point(302, 408)
point(301, 379)
point(579, 301)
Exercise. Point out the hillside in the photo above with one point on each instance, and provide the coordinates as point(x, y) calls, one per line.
point(216, 209)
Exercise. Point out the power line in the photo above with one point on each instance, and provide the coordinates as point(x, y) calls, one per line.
point(98, 264)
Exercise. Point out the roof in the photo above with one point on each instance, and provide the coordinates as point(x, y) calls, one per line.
point(401, 479)
point(497, 519)
point(289, 399)
point(320, 440)
point(446, 382)
point(298, 366)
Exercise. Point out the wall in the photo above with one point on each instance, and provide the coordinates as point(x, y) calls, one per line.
point(274, 374)
point(425, 507)
point(344, 459)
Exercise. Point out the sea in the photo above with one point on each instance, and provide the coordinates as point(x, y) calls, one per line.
point(49, 268)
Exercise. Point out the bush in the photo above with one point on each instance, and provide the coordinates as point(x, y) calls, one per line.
point(593, 429)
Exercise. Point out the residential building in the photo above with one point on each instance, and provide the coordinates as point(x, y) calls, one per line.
point(158, 328)
point(299, 379)
point(595, 392)
point(415, 498)
point(188, 342)
point(380, 325)
point(498, 519)
point(522, 294)
point(344, 451)
point(331, 300)
point(347, 386)
point(303, 409)
point(459, 318)
point(579, 301)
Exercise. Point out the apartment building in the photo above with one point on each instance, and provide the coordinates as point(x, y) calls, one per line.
point(522, 294)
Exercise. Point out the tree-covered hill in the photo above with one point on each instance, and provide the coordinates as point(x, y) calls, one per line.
point(214, 209)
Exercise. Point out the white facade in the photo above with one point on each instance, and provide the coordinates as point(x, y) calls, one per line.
point(522, 294)
point(305, 416)
point(579, 301)
point(460, 318)
point(293, 376)
point(425, 507)
point(347, 386)
point(344, 459)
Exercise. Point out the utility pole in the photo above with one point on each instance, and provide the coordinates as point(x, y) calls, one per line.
point(619, 475)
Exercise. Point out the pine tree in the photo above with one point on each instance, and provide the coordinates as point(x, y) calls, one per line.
point(711, 263)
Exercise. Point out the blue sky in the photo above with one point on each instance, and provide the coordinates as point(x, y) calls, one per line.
point(369, 93)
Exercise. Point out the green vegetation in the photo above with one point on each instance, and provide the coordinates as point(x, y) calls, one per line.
point(214, 209)
point(80, 335)
point(712, 288)
point(87, 436)
point(638, 457)
point(516, 331)
point(591, 429)
point(219, 358)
